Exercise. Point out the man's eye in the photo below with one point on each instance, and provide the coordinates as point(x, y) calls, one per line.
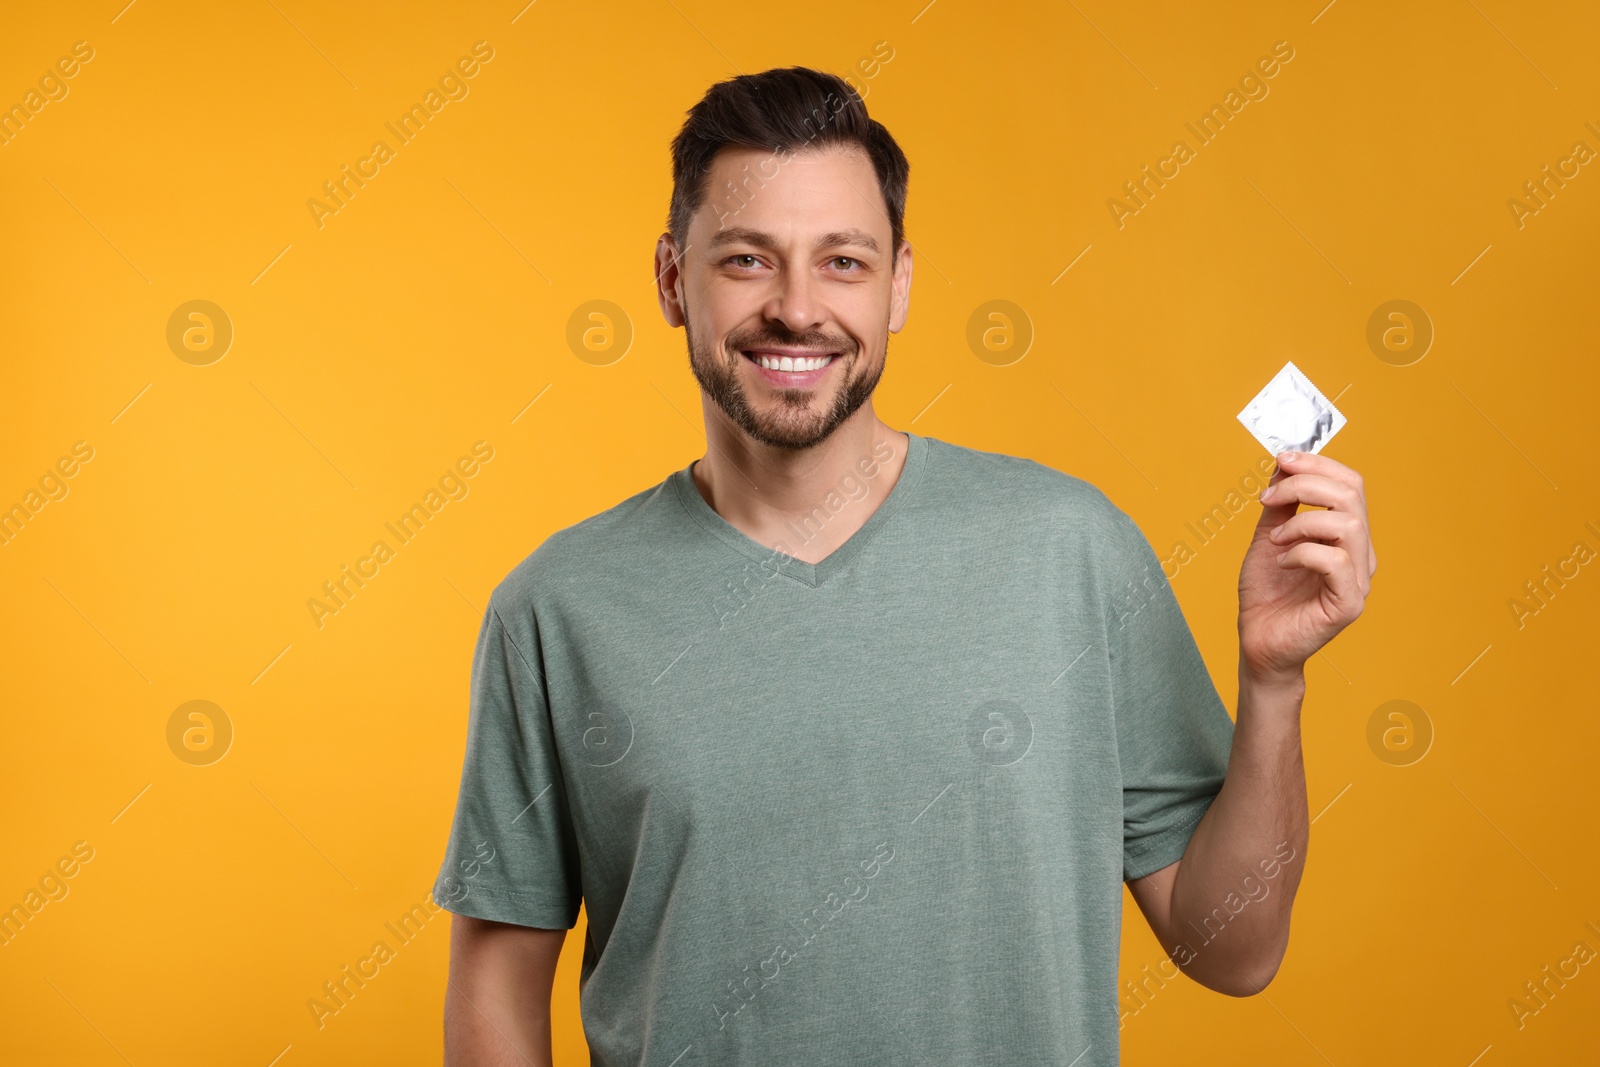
point(736, 259)
point(844, 259)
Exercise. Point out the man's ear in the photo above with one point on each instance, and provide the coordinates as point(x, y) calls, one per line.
point(666, 272)
point(900, 294)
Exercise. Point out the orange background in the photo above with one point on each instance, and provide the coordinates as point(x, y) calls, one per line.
point(371, 352)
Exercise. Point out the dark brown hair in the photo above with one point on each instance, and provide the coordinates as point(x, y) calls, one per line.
point(782, 110)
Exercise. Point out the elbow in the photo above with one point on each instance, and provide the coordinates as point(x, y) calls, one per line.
point(1246, 980)
point(1245, 985)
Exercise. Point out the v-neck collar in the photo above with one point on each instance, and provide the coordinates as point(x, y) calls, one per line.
point(812, 574)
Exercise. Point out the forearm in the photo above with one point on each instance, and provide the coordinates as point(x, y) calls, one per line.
point(1231, 901)
point(486, 1028)
point(497, 994)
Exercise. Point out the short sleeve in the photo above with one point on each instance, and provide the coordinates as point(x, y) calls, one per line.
point(511, 856)
point(1173, 732)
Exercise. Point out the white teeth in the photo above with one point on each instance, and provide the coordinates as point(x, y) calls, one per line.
point(790, 363)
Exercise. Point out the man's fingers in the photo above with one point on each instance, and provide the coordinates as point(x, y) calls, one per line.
point(1342, 528)
point(1315, 489)
point(1337, 570)
point(1302, 490)
point(1269, 515)
point(1317, 526)
point(1312, 463)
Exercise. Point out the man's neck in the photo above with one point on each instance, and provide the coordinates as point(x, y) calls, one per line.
point(806, 503)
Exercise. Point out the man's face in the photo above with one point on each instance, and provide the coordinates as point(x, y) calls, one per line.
point(787, 265)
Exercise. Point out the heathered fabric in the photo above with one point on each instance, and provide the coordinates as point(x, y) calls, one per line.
point(873, 810)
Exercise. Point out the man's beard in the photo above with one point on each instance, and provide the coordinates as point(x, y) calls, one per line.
point(791, 424)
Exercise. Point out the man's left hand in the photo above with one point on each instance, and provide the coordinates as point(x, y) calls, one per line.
point(1305, 576)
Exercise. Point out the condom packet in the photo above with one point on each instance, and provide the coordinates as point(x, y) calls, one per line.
point(1291, 414)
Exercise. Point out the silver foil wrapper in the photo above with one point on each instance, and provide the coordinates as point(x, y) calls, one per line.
point(1291, 414)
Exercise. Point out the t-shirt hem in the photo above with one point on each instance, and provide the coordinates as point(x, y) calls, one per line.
point(508, 906)
point(1162, 850)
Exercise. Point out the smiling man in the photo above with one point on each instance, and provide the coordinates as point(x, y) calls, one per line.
point(883, 811)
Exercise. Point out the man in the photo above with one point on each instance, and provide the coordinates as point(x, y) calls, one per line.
point(846, 737)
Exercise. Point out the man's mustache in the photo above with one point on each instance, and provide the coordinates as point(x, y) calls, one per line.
point(843, 346)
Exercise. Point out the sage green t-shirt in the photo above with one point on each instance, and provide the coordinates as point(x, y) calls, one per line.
point(874, 810)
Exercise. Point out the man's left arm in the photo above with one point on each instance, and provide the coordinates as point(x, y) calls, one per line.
point(1222, 911)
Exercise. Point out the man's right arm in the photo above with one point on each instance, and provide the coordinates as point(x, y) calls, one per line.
point(497, 1003)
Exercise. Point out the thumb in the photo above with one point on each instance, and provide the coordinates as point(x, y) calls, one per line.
point(1275, 514)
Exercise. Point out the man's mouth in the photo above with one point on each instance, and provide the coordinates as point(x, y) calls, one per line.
point(791, 360)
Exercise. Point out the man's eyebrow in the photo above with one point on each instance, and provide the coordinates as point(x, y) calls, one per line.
point(848, 237)
point(746, 235)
